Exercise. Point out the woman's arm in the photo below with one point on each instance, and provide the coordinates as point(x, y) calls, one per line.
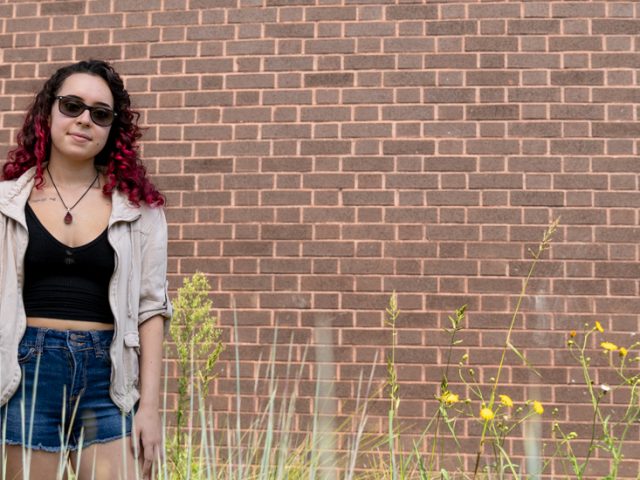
point(147, 437)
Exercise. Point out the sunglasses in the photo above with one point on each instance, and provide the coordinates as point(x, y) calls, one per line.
point(72, 107)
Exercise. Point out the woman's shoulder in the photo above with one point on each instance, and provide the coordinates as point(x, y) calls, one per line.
point(151, 214)
point(149, 218)
point(8, 185)
point(9, 188)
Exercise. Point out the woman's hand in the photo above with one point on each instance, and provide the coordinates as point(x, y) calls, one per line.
point(147, 425)
point(146, 440)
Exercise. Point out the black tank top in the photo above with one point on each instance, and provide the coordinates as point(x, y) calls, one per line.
point(66, 282)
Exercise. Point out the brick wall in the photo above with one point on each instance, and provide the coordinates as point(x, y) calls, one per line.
point(319, 154)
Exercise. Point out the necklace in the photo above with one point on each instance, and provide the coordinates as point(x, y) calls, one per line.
point(68, 218)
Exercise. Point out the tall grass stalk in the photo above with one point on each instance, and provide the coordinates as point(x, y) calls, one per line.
point(508, 345)
point(392, 313)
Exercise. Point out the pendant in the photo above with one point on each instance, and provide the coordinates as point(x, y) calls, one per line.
point(68, 218)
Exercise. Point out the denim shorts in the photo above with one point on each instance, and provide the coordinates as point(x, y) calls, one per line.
point(68, 373)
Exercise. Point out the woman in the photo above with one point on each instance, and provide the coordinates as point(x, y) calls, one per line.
point(83, 300)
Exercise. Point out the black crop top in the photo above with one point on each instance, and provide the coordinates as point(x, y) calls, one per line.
point(66, 282)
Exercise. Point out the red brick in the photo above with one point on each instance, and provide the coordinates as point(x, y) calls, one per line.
point(366, 130)
point(616, 270)
point(534, 94)
point(328, 80)
point(407, 44)
point(293, 30)
point(492, 147)
point(250, 47)
point(534, 61)
point(24, 55)
point(411, 12)
point(408, 147)
point(611, 199)
point(408, 78)
point(325, 147)
point(533, 27)
point(542, 198)
point(577, 147)
point(452, 27)
point(617, 27)
point(616, 129)
point(491, 78)
point(535, 129)
point(26, 25)
point(575, 43)
point(137, 35)
point(492, 112)
point(252, 15)
point(450, 129)
point(332, 46)
point(616, 95)
point(491, 44)
point(324, 215)
point(580, 287)
point(407, 113)
point(132, 5)
point(333, 249)
point(323, 14)
point(583, 112)
point(577, 77)
point(449, 95)
point(369, 29)
point(453, 232)
point(494, 11)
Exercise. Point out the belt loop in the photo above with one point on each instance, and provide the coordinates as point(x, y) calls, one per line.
point(42, 332)
point(97, 344)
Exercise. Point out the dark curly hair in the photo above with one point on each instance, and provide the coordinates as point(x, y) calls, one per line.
point(119, 156)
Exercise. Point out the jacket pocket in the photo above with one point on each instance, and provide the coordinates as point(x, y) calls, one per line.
point(132, 358)
point(132, 340)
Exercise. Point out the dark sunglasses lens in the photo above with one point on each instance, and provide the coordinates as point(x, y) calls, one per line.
point(71, 108)
point(74, 108)
point(102, 116)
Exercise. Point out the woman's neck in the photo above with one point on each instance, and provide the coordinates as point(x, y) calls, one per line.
point(71, 174)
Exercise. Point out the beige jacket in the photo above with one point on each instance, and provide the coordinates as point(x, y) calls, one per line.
point(137, 291)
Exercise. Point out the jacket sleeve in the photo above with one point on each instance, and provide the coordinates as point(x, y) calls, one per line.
point(154, 298)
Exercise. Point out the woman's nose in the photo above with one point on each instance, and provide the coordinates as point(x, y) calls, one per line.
point(84, 118)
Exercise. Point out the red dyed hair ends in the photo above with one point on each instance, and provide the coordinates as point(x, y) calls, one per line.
point(119, 157)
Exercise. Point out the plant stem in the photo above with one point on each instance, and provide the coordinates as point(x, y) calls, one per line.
point(542, 246)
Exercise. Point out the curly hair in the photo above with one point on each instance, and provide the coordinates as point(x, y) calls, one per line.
point(119, 157)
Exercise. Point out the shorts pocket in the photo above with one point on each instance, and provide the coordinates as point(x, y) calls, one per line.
point(25, 353)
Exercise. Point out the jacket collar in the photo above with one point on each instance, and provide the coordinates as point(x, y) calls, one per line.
point(14, 199)
point(12, 202)
point(122, 210)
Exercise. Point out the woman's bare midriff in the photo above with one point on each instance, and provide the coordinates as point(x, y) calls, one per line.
point(57, 324)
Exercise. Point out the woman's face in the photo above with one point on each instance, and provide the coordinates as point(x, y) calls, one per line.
point(79, 138)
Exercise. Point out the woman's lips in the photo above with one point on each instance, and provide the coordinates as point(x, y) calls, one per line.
point(80, 137)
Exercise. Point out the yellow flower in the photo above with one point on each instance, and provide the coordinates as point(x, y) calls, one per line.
point(486, 414)
point(623, 352)
point(572, 333)
point(506, 401)
point(537, 407)
point(599, 327)
point(608, 346)
point(450, 398)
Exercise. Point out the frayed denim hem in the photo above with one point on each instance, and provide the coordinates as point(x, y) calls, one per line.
point(69, 448)
point(88, 443)
point(40, 447)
